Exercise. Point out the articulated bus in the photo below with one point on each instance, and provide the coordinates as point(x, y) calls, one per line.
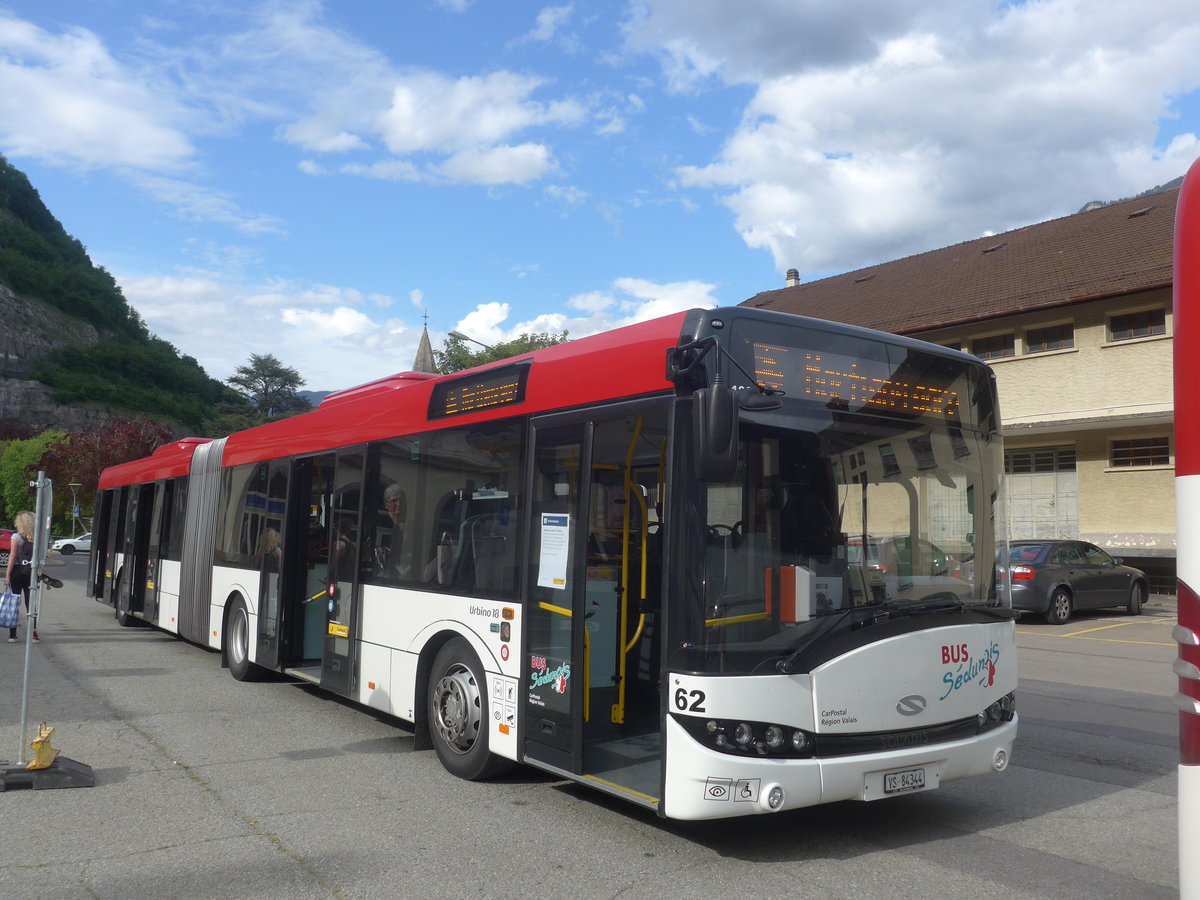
point(723, 562)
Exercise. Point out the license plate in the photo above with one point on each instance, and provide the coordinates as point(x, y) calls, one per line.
point(906, 780)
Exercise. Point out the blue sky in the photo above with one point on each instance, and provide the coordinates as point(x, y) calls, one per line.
point(311, 179)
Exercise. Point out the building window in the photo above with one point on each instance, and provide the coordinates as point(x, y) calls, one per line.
point(1154, 451)
point(891, 466)
point(997, 346)
point(1146, 323)
point(1039, 459)
point(1053, 337)
point(922, 450)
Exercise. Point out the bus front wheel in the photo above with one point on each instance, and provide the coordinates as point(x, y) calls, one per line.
point(458, 714)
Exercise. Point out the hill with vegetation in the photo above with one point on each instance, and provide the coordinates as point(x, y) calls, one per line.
point(71, 329)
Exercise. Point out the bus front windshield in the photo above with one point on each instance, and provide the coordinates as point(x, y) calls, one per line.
point(853, 518)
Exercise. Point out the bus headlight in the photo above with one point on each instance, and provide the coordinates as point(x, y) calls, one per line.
point(756, 738)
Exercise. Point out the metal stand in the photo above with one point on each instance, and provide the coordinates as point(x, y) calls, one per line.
point(62, 773)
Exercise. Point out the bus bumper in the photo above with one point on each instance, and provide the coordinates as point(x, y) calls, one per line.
point(704, 784)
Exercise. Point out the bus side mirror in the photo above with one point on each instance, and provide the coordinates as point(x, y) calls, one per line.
point(715, 418)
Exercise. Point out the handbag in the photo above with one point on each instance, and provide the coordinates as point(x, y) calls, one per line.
point(10, 609)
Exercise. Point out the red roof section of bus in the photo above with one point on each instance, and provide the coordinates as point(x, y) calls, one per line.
point(620, 363)
point(390, 383)
point(168, 461)
point(1187, 325)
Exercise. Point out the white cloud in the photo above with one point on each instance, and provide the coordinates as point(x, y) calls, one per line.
point(937, 132)
point(499, 165)
point(64, 99)
point(386, 170)
point(548, 25)
point(431, 112)
point(338, 322)
point(320, 330)
point(417, 298)
point(697, 40)
point(203, 204)
point(632, 300)
point(566, 193)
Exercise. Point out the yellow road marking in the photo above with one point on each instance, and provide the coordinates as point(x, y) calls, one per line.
point(1101, 628)
point(1077, 637)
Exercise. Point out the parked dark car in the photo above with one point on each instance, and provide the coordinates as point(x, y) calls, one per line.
point(1055, 578)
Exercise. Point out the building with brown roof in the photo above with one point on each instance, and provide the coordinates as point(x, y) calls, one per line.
point(1074, 315)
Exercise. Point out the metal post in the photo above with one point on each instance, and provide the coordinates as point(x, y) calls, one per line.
point(1187, 516)
point(41, 540)
point(76, 522)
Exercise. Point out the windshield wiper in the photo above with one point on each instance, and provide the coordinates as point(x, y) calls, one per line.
point(785, 665)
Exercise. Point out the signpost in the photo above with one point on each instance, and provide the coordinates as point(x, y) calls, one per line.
point(47, 769)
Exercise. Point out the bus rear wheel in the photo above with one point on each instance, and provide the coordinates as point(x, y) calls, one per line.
point(458, 714)
point(237, 644)
point(121, 603)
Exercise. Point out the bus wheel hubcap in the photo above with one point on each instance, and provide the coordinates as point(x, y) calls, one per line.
point(457, 716)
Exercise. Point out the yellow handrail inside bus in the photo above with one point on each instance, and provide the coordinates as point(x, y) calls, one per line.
point(618, 709)
point(735, 620)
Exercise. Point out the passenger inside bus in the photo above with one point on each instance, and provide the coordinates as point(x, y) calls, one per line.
point(388, 540)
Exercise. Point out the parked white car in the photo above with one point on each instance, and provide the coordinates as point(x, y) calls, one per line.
point(67, 546)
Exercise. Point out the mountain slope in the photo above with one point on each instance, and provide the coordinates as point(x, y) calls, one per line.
point(73, 349)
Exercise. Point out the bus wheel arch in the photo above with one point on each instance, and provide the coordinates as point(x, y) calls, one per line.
point(235, 646)
point(456, 712)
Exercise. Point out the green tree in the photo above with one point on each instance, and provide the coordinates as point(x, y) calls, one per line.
point(81, 456)
point(270, 386)
point(18, 467)
point(456, 355)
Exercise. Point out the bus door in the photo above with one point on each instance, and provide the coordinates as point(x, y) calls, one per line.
point(591, 669)
point(158, 522)
point(114, 544)
point(283, 515)
point(344, 514)
point(101, 544)
point(304, 612)
point(130, 597)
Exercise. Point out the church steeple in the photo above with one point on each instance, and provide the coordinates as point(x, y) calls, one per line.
point(424, 360)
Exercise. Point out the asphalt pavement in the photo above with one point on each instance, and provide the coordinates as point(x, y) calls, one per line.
point(210, 788)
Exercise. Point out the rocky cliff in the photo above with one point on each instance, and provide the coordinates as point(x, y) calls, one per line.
point(28, 331)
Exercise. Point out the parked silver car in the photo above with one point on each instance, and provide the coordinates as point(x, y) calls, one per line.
point(1055, 578)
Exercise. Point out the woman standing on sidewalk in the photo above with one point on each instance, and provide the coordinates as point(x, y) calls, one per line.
point(20, 566)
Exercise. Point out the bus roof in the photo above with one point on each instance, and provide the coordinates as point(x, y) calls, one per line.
point(625, 362)
point(168, 461)
point(620, 363)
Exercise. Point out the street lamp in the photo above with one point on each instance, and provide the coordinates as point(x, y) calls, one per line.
point(74, 486)
point(463, 337)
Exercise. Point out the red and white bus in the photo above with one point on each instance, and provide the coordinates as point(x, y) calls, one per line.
point(724, 562)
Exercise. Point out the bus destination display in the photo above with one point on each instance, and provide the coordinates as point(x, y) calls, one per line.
point(498, 387)
point(836, 380)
